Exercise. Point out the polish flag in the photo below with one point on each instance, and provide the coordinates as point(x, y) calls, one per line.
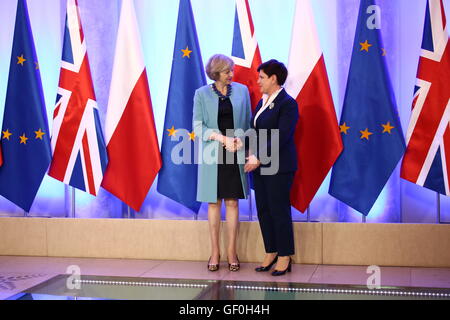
point(317, 135)
point(1, 157)
point(245, 51)
point(131, 139)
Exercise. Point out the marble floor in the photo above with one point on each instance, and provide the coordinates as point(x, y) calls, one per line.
point(19, 273)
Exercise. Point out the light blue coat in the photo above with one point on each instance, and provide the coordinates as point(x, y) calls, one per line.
point(206, 106)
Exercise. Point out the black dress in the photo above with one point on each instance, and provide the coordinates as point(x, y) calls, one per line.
point(229, 183)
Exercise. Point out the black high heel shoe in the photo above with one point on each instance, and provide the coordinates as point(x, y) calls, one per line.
point(280, 273)
point(213, 267)
point(267, 268)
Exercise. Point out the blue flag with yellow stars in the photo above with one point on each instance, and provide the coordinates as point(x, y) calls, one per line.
point(370, 127)
point(178, 181)
point(24, 137)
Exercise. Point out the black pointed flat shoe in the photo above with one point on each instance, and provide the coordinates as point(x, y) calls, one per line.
point(276, 272)
point(267, 268)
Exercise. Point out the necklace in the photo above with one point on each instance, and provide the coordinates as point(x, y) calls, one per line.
point(221, 96)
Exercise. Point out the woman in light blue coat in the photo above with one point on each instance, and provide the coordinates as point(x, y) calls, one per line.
point(221, 117)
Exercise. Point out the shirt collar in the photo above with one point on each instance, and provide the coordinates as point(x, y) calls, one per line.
point(267, 100)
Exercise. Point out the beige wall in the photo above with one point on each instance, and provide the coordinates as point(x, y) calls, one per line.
point(316, 243)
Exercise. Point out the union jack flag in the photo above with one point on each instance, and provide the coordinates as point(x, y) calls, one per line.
point(427, 156)
point(78, 146)
point(245, 52)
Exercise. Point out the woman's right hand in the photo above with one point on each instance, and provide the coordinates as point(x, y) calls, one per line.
point(251, 164)
point(238, 143)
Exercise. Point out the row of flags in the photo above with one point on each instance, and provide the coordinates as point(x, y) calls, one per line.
point(125, 161)
point(363, 148)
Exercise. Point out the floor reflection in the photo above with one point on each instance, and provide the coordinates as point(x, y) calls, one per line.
point(68, 287)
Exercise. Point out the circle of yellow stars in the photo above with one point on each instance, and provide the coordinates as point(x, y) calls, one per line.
point(366, 45)
point(21, 60)
point(173, 132)
point(365, 134)
point(23, 139)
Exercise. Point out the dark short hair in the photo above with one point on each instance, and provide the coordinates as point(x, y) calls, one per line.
point(274, 67)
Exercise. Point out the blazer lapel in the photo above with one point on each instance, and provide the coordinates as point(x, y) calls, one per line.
point(258, 106)
point(275, 101)
point(279, 97)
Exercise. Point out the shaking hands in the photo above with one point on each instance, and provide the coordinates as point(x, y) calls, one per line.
point(230, 144)
point(234, 144)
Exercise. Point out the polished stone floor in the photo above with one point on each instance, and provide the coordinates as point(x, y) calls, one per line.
point(20, 273)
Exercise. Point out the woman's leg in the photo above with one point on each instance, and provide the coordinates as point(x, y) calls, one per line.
point(214, 230)
point(280, 211)
point(265, 220)
point(232, 216)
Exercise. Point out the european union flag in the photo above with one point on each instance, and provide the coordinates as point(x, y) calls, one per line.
point(370, 127)
point(178, 181)
point(25, 135)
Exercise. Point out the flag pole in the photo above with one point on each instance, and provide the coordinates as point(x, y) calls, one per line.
point(72, 211)
point(308, 215)
point(250, 206)
point(438, 213)
point(363, 220)
point(130, 212)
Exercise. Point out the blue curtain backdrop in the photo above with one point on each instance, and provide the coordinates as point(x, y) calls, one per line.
point(402, 26)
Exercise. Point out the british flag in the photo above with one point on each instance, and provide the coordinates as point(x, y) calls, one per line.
point(427, 158)
point(78, 146)
point(245, 52)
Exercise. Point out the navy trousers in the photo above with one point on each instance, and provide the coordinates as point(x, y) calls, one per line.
point(274, 211)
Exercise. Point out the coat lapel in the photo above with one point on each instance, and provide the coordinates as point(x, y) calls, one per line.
point(234, 98)
point(279, 97)
point(213, 108)
point(275, 102)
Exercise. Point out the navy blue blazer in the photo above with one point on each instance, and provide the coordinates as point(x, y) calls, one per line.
point(283, 116)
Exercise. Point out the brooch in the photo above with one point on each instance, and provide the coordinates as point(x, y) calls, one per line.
point(271, 106)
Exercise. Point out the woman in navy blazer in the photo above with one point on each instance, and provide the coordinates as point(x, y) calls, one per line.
point(274, 164)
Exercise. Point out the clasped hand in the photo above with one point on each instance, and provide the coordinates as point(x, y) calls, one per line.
point(251, 163)
point(232, 144)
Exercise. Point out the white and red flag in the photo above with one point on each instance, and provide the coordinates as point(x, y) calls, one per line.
point(317, 135)
point(427, 158)
point(130, 133)
point(245, 51)
point(79, 151)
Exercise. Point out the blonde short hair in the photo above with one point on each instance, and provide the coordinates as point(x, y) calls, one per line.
point(217, 64)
